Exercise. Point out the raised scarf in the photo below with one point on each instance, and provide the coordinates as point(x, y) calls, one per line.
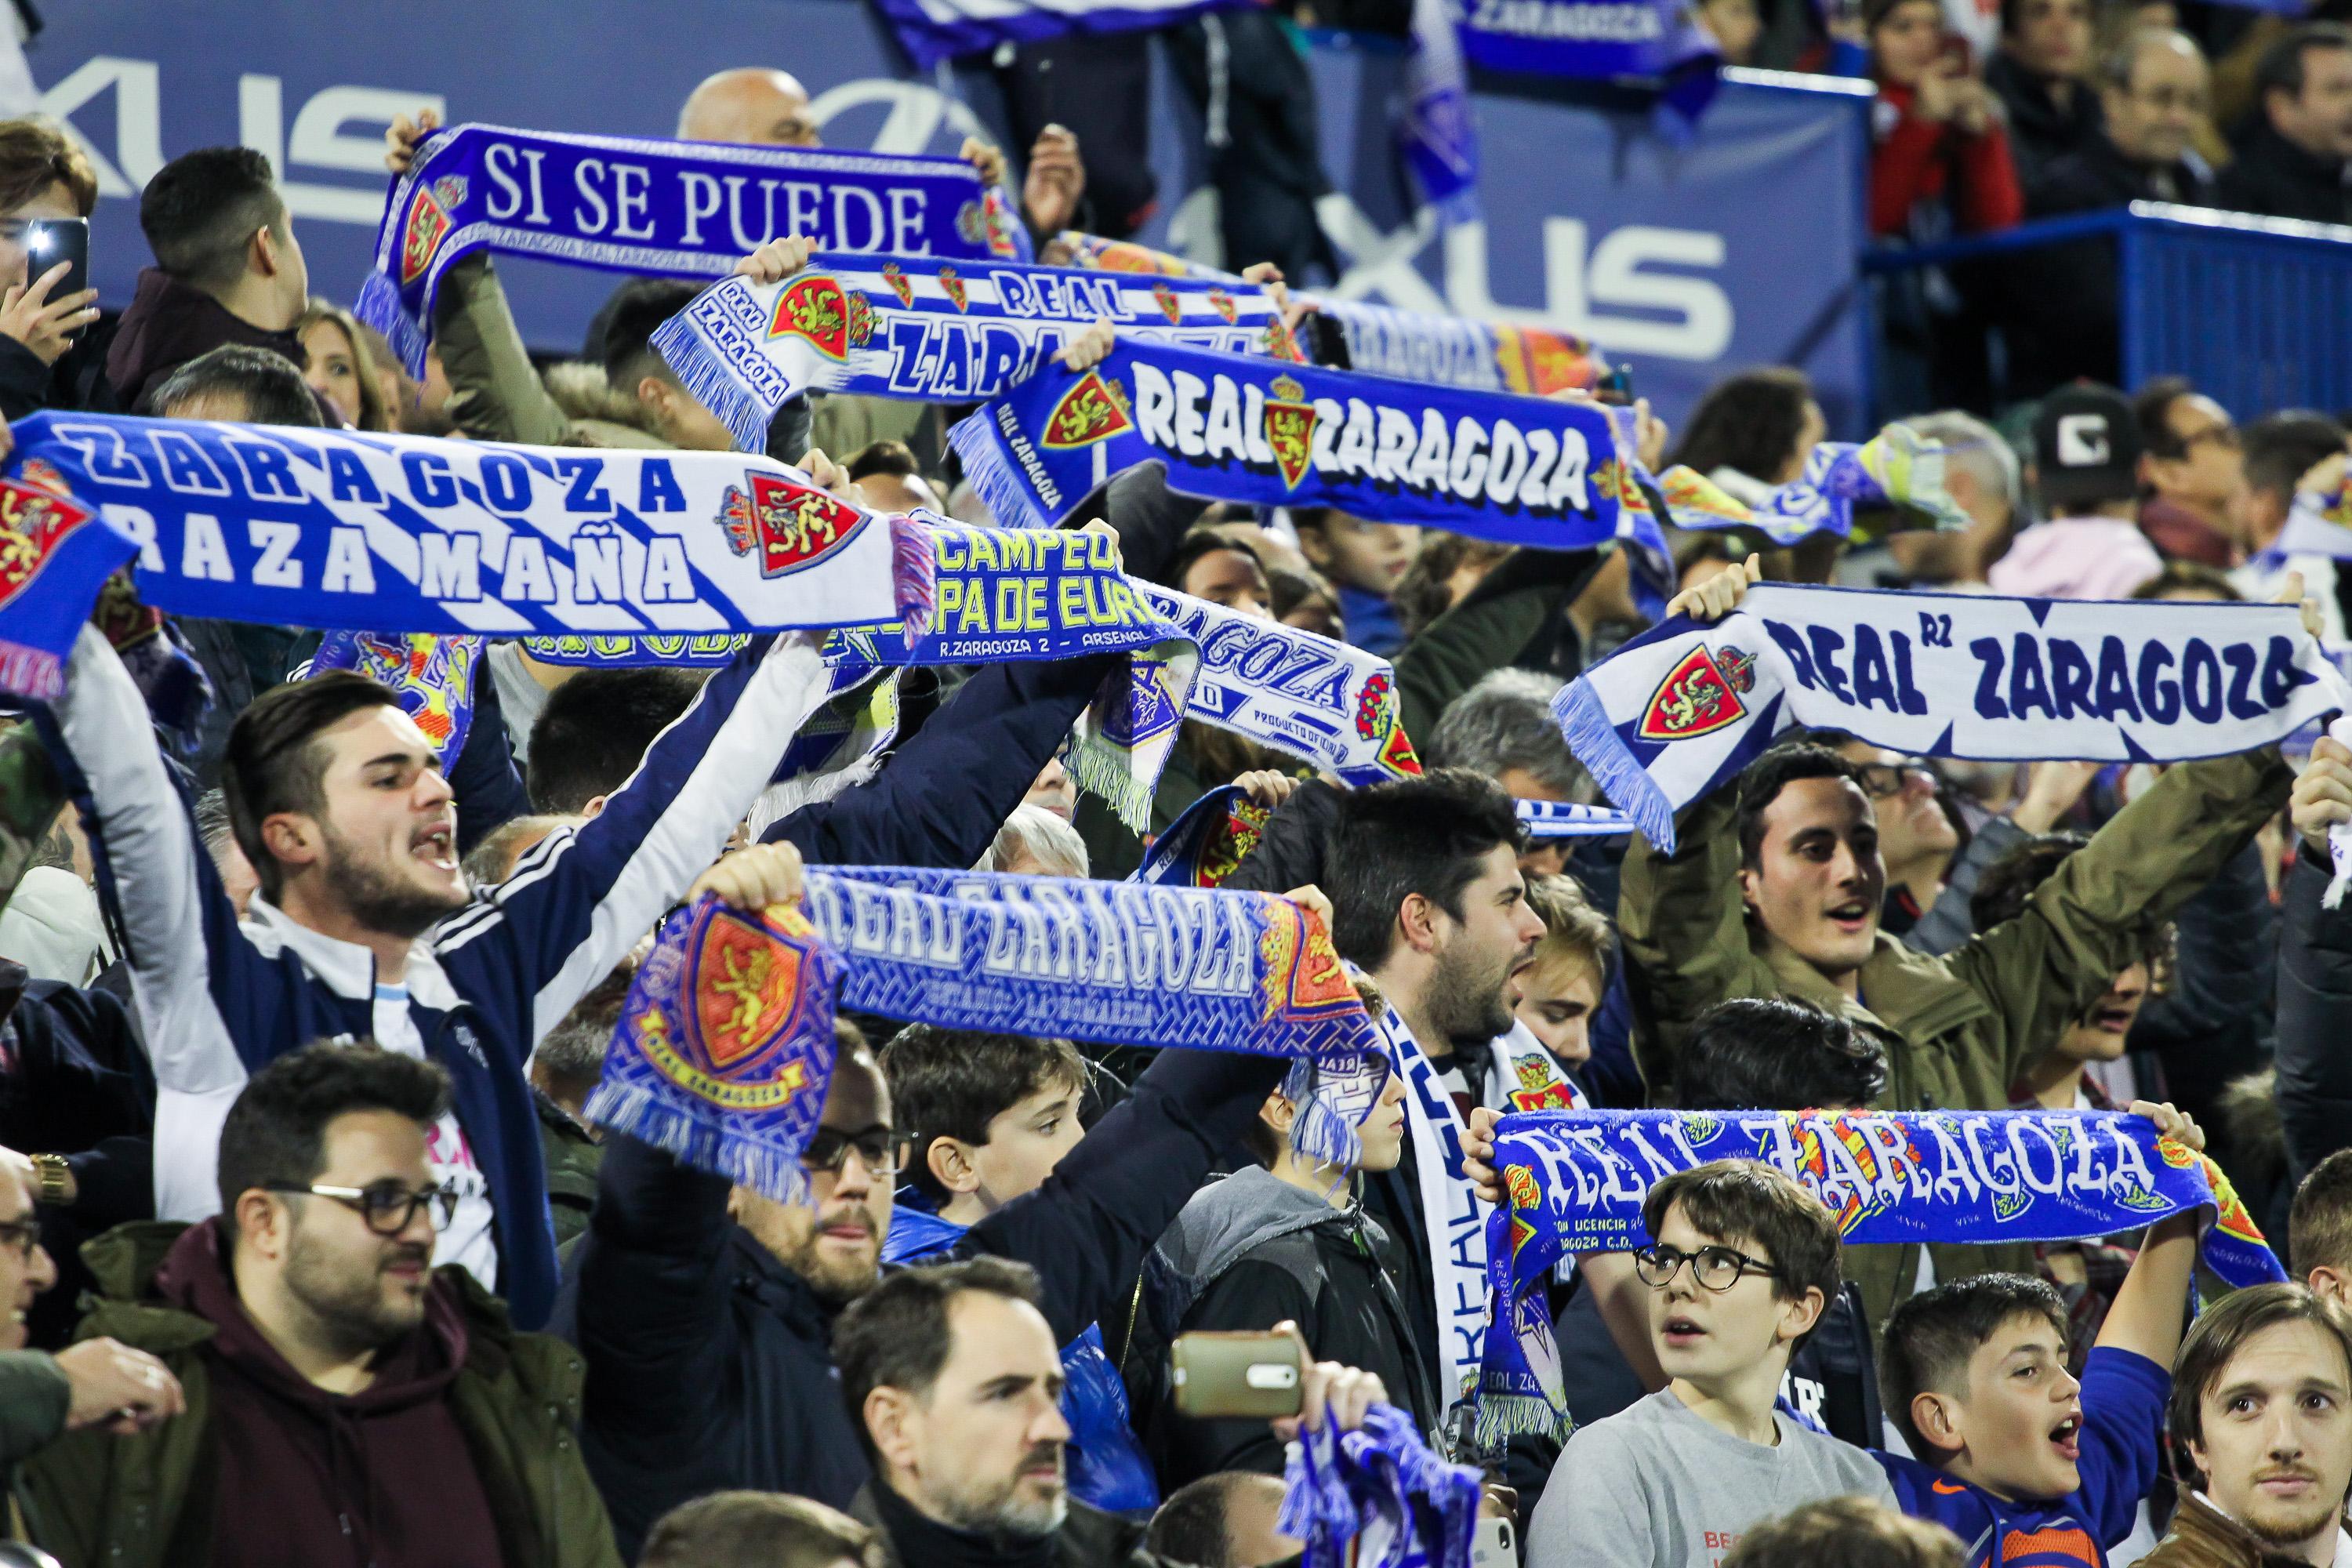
point(433, 677)
point(1378, 1498)
point(1454, 351)
point(1229, 427)
point(1574, 1182)
point(1550, 819)
point(1454, 1218)
point(916, 327)
point(1680, 711)
point(1204, 845)
point(1655, 41)
point(2318, 522)
point(725, 1047)
point(670, 209)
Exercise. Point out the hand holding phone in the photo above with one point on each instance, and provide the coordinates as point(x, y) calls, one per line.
point(1228, 1376)
point(50, 308)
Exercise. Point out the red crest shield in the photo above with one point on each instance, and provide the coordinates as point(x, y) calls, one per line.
point(33, 523)
point(1170, 306)
point(899, 283)
point(427, 225)
point(1224, 304)
point(789, 527)
point(831, 318)
point(745, 983)
point(953, 283)
point(1693, 699)
point(1290, 429)
point(1094, 410)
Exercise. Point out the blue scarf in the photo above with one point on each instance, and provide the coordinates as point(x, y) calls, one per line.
point(724, 1049)
point(1549, 819)
point(432, 676)
point(1204, 845)
point(912, 327)
point(1596, 40)
point(1680, 711)
point(1115, 961)
point(1377, 1498)
point(1517, 469)
point(936, 30)
point(1324, 702)
point(673, 209)
point(1574, 1182)
point(1454, 351)
point(403, 533)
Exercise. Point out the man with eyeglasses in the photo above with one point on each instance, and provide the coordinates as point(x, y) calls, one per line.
point(2193, 468)
point(346, 1402)
point(2154, 88)
point(1742, 1262)
point(706, 1311)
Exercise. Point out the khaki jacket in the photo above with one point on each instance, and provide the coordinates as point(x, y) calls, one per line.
point(2202, 1536)
point(1962, 1026)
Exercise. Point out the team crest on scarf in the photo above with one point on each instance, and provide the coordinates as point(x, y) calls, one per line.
point(428, 225)
point(1376, 720)
point(1150, 711)
point(1222, 304)
point(1539, 1088)
point(952, 281)
point(1303, 978)
point(834, 320)
point(1170, 305)
point(1699, 696)
point(971, 223)
point(1290, 429)
point(1094, 410)
point(33, 523)
point(790, 527)
point(901, 284)
point(746, 982)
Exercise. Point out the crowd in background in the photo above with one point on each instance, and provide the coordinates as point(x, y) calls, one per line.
point(351, 1002)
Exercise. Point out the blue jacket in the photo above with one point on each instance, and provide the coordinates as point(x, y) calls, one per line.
point(709, 1363)
point(218, 999)
point(1106, 1467)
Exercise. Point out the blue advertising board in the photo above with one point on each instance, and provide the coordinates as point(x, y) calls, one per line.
point(1688, 255)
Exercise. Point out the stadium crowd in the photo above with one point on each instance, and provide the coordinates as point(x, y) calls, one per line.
point(314, 1253)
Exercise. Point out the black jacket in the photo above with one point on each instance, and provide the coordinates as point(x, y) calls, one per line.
point(708, 1362)
point(2064, 320)
point(78, 381)
point(2275, 177)
point(1088, 1538)
point(1248, 1252)
point(2040, 132)
point(2315, 998)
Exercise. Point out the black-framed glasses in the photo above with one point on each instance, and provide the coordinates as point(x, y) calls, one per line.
point(388, 1207)
point(24, 1235)
point(1884, 780)
point(885, 1150)
point(1718, 1268)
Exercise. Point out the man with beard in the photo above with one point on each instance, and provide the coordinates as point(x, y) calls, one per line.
point(1775, 889)
point(363, 925)
point(705, 1310)
point(2261, 1403)
point(344, 1401)
point(1423, 875)
point(953, 1378)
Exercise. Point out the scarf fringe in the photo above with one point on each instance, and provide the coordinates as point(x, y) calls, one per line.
point(989, 470)
point(1502, 1416)
point(914, 575)
point(702, 1137)
point(1585, 725)
point(379, 306)
point(31, 672)
point(1107, 771)
point(707, 378)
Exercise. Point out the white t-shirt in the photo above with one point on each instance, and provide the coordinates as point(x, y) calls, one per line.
point(470, 1238)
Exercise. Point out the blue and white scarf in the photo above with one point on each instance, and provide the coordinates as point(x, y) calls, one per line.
point(1436, 130)
point(1454, 351)
point(916, 327)
point(1574, 1182)
point(2318, 522)
point(1655, 41)
point(1514, 470)
point(1378, 1498)
point(433, 677)
point(671, 209)
point(399, 534)
point(1206, 842)
point(936, 30)
point(1297, 691)
point(1680, 711)
point(725, 1047)
point(1547, 820)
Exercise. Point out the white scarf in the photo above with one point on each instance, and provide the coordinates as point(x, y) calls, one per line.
point(1454, 1219)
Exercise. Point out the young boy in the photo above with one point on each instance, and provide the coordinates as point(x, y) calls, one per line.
point(1365, 561)
point(1742, 1262)
point(2020, 1460)
point(992, 1115)
point(1559, 989)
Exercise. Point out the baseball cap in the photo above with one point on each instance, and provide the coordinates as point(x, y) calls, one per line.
point(2086, 446)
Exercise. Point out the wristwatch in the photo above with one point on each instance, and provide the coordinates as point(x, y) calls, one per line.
point(55, 1178)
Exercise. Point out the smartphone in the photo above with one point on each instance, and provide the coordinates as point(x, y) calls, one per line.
point(1495, 1545)
point(50, 240)
point(1228, 1375)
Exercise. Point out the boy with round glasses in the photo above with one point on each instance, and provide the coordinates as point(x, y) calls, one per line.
point(1743, 1261)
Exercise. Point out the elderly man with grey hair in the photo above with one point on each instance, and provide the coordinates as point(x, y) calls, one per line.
point(1982, 474)
point(1502, 727)
point(1034, 842)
